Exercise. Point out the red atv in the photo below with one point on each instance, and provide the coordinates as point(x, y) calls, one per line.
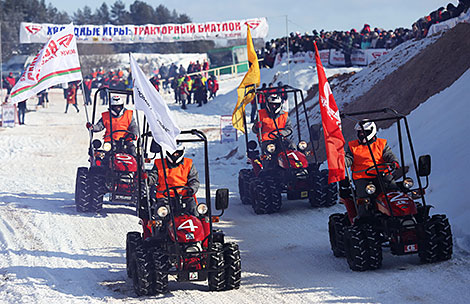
point(176, 242)
point(394, 214)
point(281, 168)
point(112, 170)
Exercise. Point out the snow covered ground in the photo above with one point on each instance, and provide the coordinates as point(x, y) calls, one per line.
point(51, 254)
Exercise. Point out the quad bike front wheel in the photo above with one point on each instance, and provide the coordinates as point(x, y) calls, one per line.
point(142, 271)
point(233, 272)
point(216, 264)
point(161, 267)
point(336, 225)
point(322, 193)
point(132, 240)
point(266, 196)
point(363, 248)
point(96, 193)
point(81, 190)
point(437, 241)
point(244, 177)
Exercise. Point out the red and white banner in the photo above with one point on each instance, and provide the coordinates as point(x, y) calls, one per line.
point(333, 57)
point(331, 121)
point(149, 33)
point(57, 62)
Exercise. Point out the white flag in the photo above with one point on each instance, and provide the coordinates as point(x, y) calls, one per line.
point(57, 62)
point(147, 99)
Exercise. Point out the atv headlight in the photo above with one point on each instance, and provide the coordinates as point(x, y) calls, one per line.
point(271, 148)
point(408, 183)
point(162, 211)
point(107, 146)
point(302, 146)
point(202, 209)
point(370, 189)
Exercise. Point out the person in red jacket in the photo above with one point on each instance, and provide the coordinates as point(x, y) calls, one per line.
point(9, 82)
point(71, 96)
point(87, 83)
point(212, 86)
point(358, 157)
point(121, 119)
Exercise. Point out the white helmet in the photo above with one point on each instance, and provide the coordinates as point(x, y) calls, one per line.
point(176, 157)
point(116, 105)
point(273, 104)
point(367, 131)
point(116, 101)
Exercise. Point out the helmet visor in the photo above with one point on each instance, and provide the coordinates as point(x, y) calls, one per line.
point(362, 135)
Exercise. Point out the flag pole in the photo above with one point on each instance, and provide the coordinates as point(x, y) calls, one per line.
point(1, 64)
point(140, 154)
point(90, 133)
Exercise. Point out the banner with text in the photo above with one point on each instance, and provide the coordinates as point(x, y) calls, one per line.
point(333, 57)
point(149, 33)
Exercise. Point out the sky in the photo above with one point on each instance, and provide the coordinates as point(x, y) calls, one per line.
point(302, 15)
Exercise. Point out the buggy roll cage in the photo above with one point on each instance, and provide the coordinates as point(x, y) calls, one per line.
point(139, 138)
point(391, 114)
point(196, 136)
point(283, 91)
point(95, 102)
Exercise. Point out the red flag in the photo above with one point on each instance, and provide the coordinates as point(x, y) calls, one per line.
point(331, 121)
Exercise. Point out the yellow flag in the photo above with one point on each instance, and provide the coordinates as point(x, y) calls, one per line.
point(246, 89)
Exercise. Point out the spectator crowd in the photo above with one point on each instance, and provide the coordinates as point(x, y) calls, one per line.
point(349, 41)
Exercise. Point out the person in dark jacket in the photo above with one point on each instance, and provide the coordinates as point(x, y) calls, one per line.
point(21, 111)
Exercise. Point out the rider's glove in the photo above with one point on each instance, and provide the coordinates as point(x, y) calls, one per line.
point(89, 125)
point(395, 165)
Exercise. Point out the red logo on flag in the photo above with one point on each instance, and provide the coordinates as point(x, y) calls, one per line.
point(33, 29)
point(65, 40)
point(253, 24)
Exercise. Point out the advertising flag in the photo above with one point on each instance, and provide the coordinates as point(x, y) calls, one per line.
point(246, 89)
point(147, 99)
point(57, 62)
point(331, 121)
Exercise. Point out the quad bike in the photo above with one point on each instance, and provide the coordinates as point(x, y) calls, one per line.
point(272, 173)
point(112, 169)
point(177, 242)
point(394, 214)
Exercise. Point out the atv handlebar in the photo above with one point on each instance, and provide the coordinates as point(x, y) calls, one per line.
point(383, 168)
point(175, 190)
point(276, 134)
